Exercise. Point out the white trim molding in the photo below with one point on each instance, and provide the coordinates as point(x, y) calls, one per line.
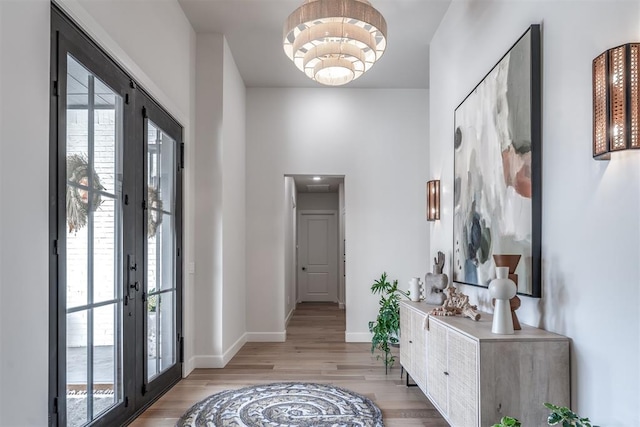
point(234, 349)
point(288, 319)
point(215, 361)
point(207, 362)
point(357, 336)
point(188, 367)
point(266, 336)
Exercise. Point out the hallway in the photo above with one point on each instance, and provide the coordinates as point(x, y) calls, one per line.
point(315, 351)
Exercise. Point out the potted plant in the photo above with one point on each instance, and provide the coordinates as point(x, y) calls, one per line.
point(386, 327)
point(560, 415)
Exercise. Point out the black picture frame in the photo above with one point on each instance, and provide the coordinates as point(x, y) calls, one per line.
point(498, 170)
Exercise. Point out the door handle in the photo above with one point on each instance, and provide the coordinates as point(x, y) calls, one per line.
point(304, 268)
point(131, 266)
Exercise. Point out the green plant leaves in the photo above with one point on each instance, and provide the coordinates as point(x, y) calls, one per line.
point(386, 327)
point(564, 415)
point(508, 422)
point(560, 415)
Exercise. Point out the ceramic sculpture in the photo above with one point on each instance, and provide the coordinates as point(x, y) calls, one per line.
point(502, 289)
point(436, 282)
point(456, 304)
point(415, 286)
point(511, 261)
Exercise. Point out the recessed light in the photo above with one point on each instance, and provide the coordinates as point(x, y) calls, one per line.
point(317, 178)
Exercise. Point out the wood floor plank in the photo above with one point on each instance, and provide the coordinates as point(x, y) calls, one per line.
point(314, 351)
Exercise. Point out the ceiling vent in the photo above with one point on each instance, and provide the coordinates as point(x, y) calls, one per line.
point(318, 188)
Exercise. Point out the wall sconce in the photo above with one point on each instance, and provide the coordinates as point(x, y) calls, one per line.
point(433, 200)
point(616, 101)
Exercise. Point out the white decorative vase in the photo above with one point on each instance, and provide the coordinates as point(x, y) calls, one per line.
point(414, 289)
point(502, 289)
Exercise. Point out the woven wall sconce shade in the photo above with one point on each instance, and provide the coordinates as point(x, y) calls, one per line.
point(433, 200)
point(335, 41)
point(616, 101)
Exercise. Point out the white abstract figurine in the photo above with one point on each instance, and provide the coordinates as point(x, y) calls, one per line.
point(502, 289)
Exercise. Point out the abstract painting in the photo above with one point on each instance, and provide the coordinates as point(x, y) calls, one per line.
point(497, 170)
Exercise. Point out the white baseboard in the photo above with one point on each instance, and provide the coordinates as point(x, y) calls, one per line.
point(217, 361)
point(188, 367)
point(357, 337)
point(228, 355)
point(208, 362)
point(267, 336)
point(286, 322)
point(341, 305)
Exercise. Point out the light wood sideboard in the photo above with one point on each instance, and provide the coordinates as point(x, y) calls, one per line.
point(474, 377)
point(413, 345)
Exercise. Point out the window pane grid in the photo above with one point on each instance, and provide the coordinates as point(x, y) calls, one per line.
point(160, 253)
point(94, 300)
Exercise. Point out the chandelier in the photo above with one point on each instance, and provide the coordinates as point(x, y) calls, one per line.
point(335, 41)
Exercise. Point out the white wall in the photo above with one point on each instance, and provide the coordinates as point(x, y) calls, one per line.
point(341, 244)
point(318, 201)
point(290, 241)
point(233, 207)
point(157, 48)
point(24, 227)
point(378, 140)
point(24, 222)
point(219, 306)
point(208, 201)
point(590, 226)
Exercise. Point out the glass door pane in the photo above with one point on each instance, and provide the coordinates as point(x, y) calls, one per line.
point(161, 281)
point(93, 246)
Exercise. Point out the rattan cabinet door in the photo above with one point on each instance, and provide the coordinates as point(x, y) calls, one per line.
point(405, 338)
point(437, 374)
point(463, 380)
point(419, 350)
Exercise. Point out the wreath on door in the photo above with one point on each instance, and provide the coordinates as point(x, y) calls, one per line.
point(78, 191)
point(154, 219)
point(78, 196)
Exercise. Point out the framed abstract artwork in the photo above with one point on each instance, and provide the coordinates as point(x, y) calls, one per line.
point(498, 171)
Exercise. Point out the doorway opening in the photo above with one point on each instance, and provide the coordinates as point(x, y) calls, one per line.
point(315, 261)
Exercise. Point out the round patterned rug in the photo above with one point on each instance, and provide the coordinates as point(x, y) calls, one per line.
point(285, 405)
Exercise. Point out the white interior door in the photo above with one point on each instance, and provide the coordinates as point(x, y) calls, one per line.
point(318, 256)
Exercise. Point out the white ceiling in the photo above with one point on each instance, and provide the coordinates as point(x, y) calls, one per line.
point(253, 29)
point(303, 181)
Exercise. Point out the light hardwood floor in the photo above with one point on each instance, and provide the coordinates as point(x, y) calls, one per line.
point(315, 351)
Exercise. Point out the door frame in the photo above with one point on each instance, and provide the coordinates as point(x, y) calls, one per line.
point(335, 215)
point(152, 390)
point(68, 37)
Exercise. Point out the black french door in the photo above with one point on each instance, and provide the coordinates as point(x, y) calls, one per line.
point(115, 236)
